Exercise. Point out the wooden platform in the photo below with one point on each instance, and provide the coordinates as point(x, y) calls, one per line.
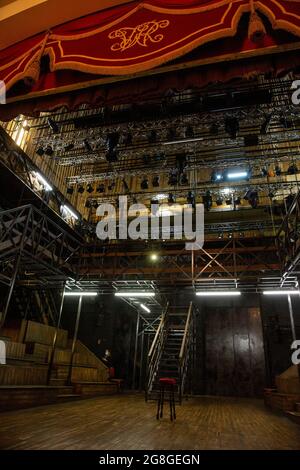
point(127, 422)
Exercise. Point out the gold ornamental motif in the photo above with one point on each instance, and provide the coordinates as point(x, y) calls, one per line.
point(143, 35)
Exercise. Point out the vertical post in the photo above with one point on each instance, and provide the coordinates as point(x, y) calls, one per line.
point(292, 318)
point(135, 349)
point(55, 338)
point(142, 362)
point(74, 339)
point(10, 292)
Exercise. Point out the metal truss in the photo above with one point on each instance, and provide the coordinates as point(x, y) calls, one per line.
point(288, 240)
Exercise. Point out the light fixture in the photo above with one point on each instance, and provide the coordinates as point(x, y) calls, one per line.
point(69, 147)
point(155, 181)
point(49, 151)
point(234, 293)
point(89, 188)
point(237, 175)
point(81, 189)
point(184, 179)
point(100, 188)
point(145, 308)
point(154, 257)
point(42, 180)
point(173, 178)
point(87, 145)
point(70, 190)
point(40, 151)
point(134, 294)
point(67, 210)
point(171, 199)
point(144, 183)
point(80, 294)
point(281, 292)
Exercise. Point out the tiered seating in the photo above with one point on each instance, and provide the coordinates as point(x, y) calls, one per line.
point(286, 396)
point(23, 380)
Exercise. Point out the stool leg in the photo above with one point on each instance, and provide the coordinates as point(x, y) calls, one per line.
point(162, 401)
point(158, 404)
point(171, 405)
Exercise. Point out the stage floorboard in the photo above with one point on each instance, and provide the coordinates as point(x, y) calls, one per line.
point(127, 422)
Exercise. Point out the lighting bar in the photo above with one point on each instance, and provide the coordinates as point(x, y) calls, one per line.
point(80, 294)
point(134, 294)
point(173, 142)
point(145, 308)
point(241, 174)
point(281, 292)
point(42, 180)
point(215, 293)
point(69, 211)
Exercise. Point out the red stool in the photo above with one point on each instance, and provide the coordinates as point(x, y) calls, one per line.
point(166, 384)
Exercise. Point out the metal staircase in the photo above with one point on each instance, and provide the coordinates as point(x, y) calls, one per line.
point(172, 352)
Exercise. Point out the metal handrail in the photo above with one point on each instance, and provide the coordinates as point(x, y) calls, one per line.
point(184, 352)
point(186, 329)
point(155, 351)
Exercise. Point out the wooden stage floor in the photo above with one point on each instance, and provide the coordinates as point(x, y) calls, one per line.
point(127, 422)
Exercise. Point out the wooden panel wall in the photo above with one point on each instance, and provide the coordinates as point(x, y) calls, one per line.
point(234, 352)
point(38, 333)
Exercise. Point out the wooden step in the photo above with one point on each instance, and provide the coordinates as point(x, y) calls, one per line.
point(28, 396)
point(92, 389)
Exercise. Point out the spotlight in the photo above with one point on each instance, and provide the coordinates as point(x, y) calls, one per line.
point(264, 172)
point(154, 257)
point(81, 189)
point(230, 235)
point(88, 204)
point(237, 201)
point(173, 178)
point(220, 236)
point(266, 124)
point(171, 199)
point(128, 139)
point(292, 169)
point(95, 205)
point(216, 176)
point(252, 197)
point(87, 145)
point(70, 190)
point(184, 180)
point(155, 181)
point(69, 147)
point(152, 136)
point(277, 170)
point(49, 151)
point(171, 134)
point(100, 188)
point(237, 175)
point(219, 201)
point(89, 188)
point(53, 125)
point(232, 126)
point(228, 202)
point(145, 183)
point(40, 151)
point(189, 132)
point(214, 129)
point(191, 199)
point(207, 200)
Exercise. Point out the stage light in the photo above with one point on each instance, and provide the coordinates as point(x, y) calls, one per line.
point(87, 145)
point(69, 147)
point(232, 126)
point(220, 236)
point(226, 191)
point(80, 294)
point(49, 151)
point(70, 190)
point(237, 201)
point(264, 172)
point(88, 204)
point(191, 199)
point(67, 210)
point(152, 136)
point(189, 132)
point(216, 176)
point(81, 189)
point(112, 140)
point(53, 125)
point(155, 181)
point(134, 294)
point(281, 292)
point(277, 170)
point(252, 197)
point(184, 180)
point(219, 201)
point(95, 205)
point(173, 178)
point(40, 151)
point(233, 293)
point(207, 199)
point(145, 308)
point(214, 129)
point(292, 169)
point(100, 188)
point(228, 202)
point(154, 257)
point(171, 199)
point(89, 189)
point(230, 236)
point(145, 183)
point(43, 181)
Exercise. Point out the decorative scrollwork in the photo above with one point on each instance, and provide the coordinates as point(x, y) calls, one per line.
point(142, 35)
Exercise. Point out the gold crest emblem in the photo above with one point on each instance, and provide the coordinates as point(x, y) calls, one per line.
point(142, 35)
